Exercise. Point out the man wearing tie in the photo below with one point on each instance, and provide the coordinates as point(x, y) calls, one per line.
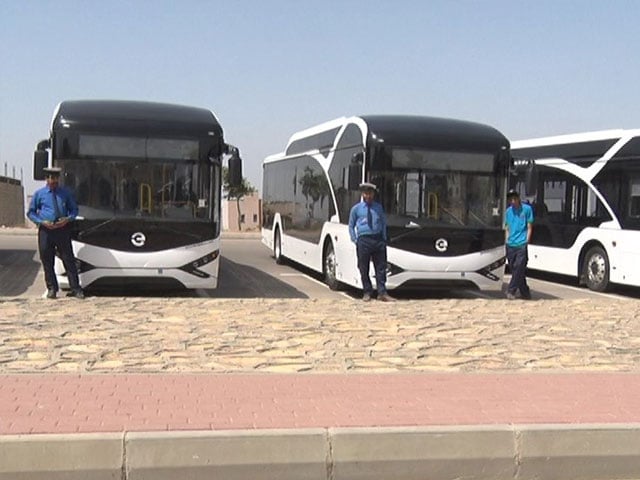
point(368, 230)
point(52, 209)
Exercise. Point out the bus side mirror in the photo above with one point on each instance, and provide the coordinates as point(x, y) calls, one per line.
point(40, 162)
point(235, 170)
point(355, 171)
point(531, 179)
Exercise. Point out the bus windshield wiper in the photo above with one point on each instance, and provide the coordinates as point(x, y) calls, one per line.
point(411, 227)
point(95, 227)
point(473, 214)
point(182, 232)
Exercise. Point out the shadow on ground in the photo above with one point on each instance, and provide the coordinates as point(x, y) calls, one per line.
point(235, 281)
point(631, 292)
point(18, 271)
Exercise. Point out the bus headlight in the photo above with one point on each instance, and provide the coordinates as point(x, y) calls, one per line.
point(83, 266)
point(497, 264)
point(393, 269)
point(488, 270)
point(194, 267)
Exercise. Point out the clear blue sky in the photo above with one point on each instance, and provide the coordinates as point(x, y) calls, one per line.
point(270, 67)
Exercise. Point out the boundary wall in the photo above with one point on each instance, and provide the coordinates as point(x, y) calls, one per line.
point(12, 209)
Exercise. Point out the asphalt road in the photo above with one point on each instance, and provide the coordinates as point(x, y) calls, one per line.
point(248, 271)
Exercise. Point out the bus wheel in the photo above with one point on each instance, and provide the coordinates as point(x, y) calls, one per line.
point(277, 248)
point(329, 264)
point(596, 269)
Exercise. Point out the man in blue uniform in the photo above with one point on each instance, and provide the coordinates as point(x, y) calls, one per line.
point(52, 209)
point(368, 230)
point(518, 228)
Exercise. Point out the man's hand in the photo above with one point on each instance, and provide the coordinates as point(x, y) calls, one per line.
point(47, 224)
point(62, 221)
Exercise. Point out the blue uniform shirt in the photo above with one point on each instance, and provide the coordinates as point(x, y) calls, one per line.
point(41, 208)
point(517, 220)
point(358, 225)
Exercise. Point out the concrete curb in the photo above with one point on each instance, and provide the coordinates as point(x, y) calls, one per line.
point(240, 235)
point(256, 455)
point(62, 457)
point(598, 451)
point(585, 452)
point(18, 231)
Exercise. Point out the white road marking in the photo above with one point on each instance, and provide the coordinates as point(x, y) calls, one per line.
point(315, 281)
point(478, 294)
point(304, 276)
point(578, 289)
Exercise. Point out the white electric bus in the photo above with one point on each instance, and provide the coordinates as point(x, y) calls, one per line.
point(586, 198)
point(147, 179)
point(442, 183)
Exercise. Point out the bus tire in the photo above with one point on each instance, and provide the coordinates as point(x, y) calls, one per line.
point(329, 267)
point(595, 269)
point(277, 248)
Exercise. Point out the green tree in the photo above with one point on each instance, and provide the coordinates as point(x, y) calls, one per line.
point(236, 193)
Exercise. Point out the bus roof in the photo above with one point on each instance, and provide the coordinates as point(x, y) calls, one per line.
point(135, 117)
point(406, 130)
point(571, 138)
point(435, 133)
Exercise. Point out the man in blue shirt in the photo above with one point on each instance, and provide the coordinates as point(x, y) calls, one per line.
point(368, 230)
point(52, 209)
point(518, 228)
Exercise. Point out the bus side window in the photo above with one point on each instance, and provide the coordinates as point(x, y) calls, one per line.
point(634, 197)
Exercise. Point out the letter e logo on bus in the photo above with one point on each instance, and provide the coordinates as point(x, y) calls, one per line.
point(138, 239)
point(442, 245)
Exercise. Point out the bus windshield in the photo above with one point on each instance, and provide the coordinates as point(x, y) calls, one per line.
point(129, 188)
point(425, 187)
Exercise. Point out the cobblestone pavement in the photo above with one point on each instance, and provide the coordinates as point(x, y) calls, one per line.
point(142, 335)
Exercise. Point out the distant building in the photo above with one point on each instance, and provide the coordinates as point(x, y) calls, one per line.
point(12, 211)
point(250, 214)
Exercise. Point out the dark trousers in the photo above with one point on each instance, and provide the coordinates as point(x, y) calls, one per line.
point(518, 258)
point(48, 242)
point(372, 248)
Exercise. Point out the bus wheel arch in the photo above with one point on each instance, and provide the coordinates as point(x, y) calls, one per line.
point(277, 246)
point(595, 267)
point(329, 265)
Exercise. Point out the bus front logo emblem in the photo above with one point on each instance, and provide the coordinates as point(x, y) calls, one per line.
point(138, 239)
point(442, 245)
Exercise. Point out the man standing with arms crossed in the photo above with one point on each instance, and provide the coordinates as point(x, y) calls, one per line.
point(368, 230)
point(52, 209)
point(518, 228)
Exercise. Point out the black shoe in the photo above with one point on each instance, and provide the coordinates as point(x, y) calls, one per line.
point(78, 294)
point(51, 293)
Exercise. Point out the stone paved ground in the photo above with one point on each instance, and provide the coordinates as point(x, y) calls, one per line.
point(110, 364)
point(143, 335)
